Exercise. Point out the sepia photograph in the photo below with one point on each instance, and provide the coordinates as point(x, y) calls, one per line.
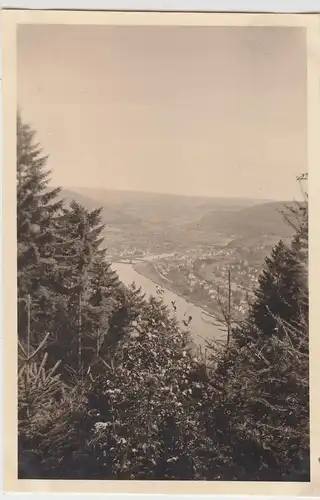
point(162, 270)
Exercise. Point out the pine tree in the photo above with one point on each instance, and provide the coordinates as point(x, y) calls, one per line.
point(37, 208)
point(61, 263)
point(89, 290)
point(105, 294)
point(260, 415)
point(276, 293)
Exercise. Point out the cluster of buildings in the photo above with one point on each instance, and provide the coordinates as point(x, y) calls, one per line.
point(203, 276)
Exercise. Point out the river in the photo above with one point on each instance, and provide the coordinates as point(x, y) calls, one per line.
point(201, 326)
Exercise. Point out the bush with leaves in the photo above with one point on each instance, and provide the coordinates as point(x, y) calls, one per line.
point(146, 392)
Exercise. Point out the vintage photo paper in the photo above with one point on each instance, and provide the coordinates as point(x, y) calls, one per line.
point(160, 195)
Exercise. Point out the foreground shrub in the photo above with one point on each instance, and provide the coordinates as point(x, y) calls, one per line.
point(51, 422)
point(146, 396)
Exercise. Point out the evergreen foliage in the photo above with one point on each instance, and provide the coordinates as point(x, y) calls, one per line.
point(262, 380)
point(37, 208)
point(51, 420)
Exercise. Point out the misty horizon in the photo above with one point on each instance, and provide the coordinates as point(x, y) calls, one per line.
point(169, 194)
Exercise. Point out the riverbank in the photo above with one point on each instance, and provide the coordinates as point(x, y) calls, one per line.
point(203, 327)
point(147, 270)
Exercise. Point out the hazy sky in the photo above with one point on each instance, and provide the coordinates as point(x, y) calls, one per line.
point(218, 111)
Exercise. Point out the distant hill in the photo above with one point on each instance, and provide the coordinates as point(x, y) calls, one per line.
point(251, 221)
point(184, 219)
point(110, 215)
point(158, 208)
point(125, 196)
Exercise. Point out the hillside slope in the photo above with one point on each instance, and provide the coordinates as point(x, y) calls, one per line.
point(159, 208)
point(110, 215)
point(180, 220)
point(257, 220)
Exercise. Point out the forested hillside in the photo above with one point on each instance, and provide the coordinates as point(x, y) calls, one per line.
point(107, 385)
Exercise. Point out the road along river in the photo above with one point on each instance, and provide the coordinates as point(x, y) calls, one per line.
point(201, 325)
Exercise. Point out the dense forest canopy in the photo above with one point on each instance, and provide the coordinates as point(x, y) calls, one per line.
point(108, 387)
